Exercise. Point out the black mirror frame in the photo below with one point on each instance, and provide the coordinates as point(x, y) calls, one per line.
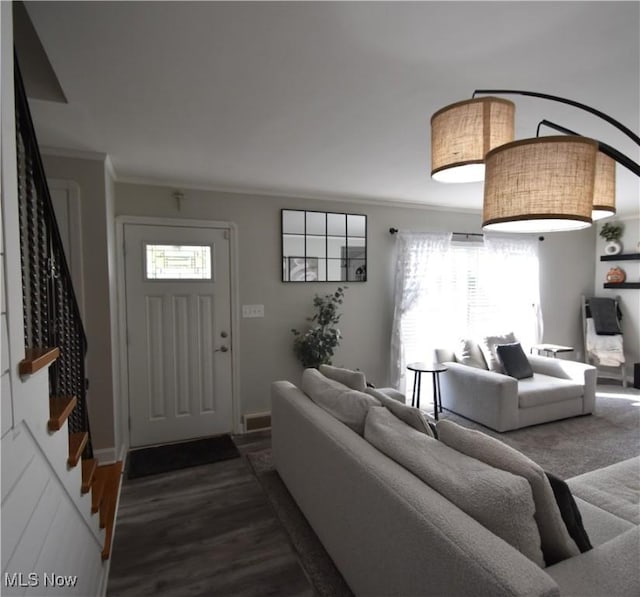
point(359, 274)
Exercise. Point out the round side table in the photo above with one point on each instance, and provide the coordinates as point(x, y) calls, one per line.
point(435, 369)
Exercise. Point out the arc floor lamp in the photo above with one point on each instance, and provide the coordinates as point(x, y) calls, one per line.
point(560, 182)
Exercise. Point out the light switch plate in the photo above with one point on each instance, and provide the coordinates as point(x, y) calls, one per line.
point(252, 310)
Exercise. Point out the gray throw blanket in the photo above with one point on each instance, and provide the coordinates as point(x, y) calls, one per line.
point(605, 316)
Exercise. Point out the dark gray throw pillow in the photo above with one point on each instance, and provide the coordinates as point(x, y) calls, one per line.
point(514, 361)
point(569, 512)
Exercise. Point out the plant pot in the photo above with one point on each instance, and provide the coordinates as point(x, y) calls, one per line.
point(613, 247)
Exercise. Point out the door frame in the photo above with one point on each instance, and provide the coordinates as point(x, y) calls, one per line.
point(121, 222)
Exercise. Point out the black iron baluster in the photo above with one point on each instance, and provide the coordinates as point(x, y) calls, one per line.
point(51, 313)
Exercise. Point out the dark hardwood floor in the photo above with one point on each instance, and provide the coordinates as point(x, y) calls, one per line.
point(207, 530)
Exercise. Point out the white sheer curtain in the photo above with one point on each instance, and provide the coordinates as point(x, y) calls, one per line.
point(419, 259)
point(514, 279)
point(448, 290)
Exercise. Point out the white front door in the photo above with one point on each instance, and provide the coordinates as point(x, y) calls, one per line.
point(178, 332)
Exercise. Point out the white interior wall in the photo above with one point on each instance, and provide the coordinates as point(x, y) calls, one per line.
point(6, 413)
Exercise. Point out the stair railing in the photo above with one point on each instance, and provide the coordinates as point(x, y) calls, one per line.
point(51, 314)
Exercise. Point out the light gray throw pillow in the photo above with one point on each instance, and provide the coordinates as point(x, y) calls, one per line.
point(500, 501)
point(347, 405)
point(557, 544)
point(410, 415)
point(488, 348)
point(352, 379)
point(468, 353)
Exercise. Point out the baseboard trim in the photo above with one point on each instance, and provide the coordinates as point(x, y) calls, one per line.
point(105, 456)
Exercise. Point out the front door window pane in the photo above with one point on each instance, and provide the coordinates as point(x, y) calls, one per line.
point(178, 262)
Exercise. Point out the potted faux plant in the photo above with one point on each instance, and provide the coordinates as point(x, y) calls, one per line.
point(316, 345)
point(612, 233)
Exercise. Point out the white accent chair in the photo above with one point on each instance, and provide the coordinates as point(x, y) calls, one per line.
point(558, 389)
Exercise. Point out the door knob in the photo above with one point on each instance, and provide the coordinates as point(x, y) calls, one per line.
point(223, 334)
point(222, 349)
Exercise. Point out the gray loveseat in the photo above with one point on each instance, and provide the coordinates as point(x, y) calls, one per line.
point(558, 389)
point(389, 533)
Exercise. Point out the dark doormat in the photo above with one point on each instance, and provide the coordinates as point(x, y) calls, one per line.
point(171, 457)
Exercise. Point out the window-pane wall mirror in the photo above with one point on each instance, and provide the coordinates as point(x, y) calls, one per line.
point(320, 246)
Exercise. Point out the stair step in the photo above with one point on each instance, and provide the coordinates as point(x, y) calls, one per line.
point(112, 487)
point(97, 489)
point(107, 491)
point(36, 359)
point(89, 467)
point(60, 407)
point(77, 442)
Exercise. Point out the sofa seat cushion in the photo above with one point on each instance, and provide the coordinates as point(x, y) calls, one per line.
point(501, 501)
point(609, 570)
point(614, 488)
point(602, 526)
point(543, 389)
point(347, 405)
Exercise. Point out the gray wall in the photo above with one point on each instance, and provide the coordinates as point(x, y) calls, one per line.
point(89, 174)
point(567, 267)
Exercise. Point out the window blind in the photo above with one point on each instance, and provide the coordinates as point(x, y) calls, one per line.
point(475, 291)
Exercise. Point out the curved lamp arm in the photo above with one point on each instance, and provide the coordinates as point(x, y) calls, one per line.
point(612, 152)
point(564, 100)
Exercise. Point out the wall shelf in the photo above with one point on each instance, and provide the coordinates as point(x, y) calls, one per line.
point(623, 285)
point(620, 257)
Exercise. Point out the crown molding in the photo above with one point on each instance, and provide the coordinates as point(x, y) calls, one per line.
point(254, 191)
point(63, 152)
point(276, 194)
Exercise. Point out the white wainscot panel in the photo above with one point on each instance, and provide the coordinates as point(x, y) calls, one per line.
point(20, 504)
point(47, 549)
point(7, 411)
point(3, 306)
point(5, 345)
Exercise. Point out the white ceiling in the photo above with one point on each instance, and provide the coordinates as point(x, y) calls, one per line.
point(324, 99)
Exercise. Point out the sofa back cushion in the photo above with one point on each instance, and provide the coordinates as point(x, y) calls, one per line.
point(352, 379)
point(347, 405)
point(557, 544)
point(500, 501)
point(467, 352)
point(488, 347)
point(412, 416)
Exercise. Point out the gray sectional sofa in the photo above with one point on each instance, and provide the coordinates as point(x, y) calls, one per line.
point(390, 533)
